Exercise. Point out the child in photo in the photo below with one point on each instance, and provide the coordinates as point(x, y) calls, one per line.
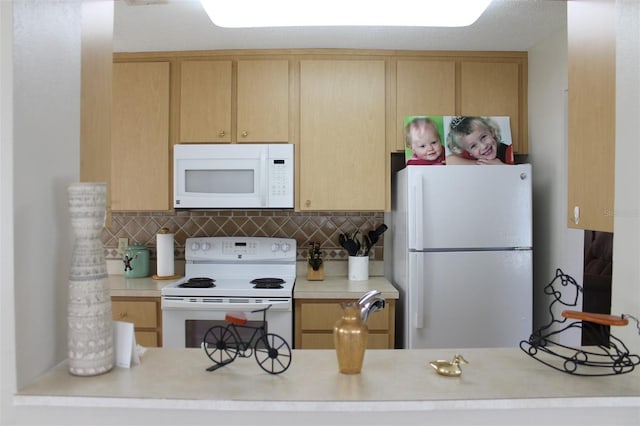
point(423, 139)
point(477, 140)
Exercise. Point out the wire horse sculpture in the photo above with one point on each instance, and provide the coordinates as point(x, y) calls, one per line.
point(604, 359)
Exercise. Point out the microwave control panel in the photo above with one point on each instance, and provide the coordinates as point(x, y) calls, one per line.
point(281, 175)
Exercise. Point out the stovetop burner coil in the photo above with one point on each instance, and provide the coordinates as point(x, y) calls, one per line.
point(198, 282)
point(267, 282)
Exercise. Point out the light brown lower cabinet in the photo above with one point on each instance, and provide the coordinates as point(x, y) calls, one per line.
point(146, 315)
point(315, 318)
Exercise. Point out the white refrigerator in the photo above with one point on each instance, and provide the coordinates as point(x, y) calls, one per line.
point(461, 255)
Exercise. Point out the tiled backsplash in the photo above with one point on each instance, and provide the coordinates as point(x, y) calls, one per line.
point(321, 227)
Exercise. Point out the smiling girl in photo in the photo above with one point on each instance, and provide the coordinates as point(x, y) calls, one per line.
point(477, 140)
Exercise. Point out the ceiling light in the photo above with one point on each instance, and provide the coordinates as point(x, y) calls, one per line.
point(301, 13)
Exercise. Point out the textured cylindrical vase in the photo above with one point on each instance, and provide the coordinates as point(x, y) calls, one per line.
point(90, 334)
point(350, 335)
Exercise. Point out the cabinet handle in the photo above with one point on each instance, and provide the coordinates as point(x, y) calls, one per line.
point(123, 315)
point(221, 133)
point(245, 134)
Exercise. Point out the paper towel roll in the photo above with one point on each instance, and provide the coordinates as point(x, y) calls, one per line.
point(164, 245)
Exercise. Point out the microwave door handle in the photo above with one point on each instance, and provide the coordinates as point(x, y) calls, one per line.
point(264, 178)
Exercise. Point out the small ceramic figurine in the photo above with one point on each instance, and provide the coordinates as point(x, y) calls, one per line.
point(449, 368)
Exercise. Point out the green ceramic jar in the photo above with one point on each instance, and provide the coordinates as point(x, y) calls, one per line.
point(136, 261)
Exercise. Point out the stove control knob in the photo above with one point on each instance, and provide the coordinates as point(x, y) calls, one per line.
point(195, 246)
point(206, 246)
point(275, 247)
point(285, 247)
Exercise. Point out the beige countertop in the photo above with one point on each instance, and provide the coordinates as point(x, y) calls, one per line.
point(391, 380)
point(331, 288)
point(136, 287)
point(342, 288)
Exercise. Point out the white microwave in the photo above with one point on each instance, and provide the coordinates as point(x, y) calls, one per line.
point(233, 176)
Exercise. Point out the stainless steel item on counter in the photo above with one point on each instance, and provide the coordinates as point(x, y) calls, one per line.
point(136, 261)
point(370, 302)
point(218, 280)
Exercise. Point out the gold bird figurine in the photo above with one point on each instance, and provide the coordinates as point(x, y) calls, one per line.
point(449, 368)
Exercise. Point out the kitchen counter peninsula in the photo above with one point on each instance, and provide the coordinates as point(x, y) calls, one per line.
point(503, 382)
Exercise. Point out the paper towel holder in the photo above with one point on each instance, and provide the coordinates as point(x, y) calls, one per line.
point(163, 231)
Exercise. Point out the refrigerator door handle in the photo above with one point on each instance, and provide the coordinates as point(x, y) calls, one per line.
point(418, 284)
point(417, 213)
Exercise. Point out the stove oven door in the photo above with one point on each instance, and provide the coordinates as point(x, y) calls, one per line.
point(185, 320)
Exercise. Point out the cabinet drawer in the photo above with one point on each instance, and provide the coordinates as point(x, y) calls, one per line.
point(141, 313)
point(323, 316)
point(325, 341)
point(148, 339)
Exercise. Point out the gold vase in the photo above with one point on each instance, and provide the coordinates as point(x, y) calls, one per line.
point(350, 338)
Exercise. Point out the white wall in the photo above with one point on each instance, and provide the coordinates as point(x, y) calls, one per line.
point(46, 159)
point(554, 244)
point(44, 133)
point(626, 221)
point(40, 157)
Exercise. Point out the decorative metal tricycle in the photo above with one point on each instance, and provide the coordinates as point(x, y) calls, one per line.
point(224, 344)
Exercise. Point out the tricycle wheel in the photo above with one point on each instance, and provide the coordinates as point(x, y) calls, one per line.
point(273, 353)
point(220, 344)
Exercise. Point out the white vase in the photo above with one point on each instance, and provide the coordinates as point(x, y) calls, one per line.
point(90, 334)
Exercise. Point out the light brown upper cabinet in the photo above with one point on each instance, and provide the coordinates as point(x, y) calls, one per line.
point(205, 101)
point(592, 89)
point(218, 104)
point(263, 101)
point(342, 135)
point(423, 87)
point(496, 88)
point(140, 136)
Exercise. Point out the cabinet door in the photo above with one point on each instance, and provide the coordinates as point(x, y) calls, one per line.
point(494, 89)
point(205, 101)
point(592, 87)
point(342, 135)
point(140, 136)
point(145, 315)
point(263, 101)
point(423, 87)
point(315, 319)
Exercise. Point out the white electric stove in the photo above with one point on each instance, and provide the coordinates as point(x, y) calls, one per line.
point(230, 274)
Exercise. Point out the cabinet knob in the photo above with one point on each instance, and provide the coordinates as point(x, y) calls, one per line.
point(307, 203)
point(245, 134)
point(221, 133)
point(123, 315)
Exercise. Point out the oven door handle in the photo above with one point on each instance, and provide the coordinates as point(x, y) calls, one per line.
point(214, 304)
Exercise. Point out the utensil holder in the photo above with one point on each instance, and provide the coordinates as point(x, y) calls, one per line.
point(358, 268)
